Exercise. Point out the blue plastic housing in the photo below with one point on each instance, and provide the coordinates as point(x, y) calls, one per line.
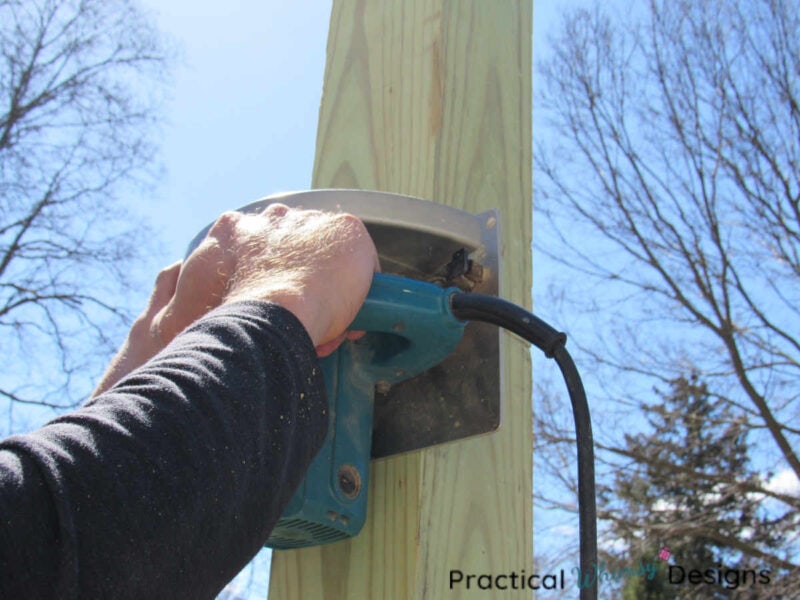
point(410, 328)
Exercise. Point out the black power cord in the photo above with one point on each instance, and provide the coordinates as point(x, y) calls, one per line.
point(479, 307)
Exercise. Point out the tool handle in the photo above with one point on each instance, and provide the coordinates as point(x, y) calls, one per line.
point(410, 326)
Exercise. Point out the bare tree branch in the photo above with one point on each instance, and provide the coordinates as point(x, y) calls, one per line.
point(80, 85)
point(668, 185)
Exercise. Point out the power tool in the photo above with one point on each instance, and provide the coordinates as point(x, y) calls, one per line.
point(418, 377)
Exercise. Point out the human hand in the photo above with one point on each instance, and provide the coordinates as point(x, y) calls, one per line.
point(317, 265)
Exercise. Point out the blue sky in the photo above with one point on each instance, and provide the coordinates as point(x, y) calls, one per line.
point(242, 119)
point(243, 115)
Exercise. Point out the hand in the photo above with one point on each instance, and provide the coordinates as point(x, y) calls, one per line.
point(317, 265)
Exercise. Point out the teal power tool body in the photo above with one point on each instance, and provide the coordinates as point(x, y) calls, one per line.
point(418, 377)
point(410, 328)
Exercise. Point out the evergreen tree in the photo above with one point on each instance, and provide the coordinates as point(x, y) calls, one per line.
point(685, 493)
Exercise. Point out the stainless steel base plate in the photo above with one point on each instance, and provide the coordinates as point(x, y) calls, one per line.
point(462, 396)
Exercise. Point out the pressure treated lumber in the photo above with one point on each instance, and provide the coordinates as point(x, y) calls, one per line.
point(433, 99)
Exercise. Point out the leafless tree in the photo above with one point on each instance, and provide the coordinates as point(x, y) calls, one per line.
point(668, 182)
point(80, 84)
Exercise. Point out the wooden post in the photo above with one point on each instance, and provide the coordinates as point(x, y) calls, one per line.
point(432, 98)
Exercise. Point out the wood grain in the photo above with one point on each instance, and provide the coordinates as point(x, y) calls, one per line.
point(433, 99)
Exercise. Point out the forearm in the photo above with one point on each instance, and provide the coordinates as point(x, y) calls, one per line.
point(170, 482)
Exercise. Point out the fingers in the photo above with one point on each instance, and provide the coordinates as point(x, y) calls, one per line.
point(144, 338)
point(327, 348)
point(225, 225)
point(330, 347)
point(164, 289)
point(275, 210)
point(318, 265)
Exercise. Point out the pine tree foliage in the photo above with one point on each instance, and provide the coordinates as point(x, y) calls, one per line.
point(685, 492)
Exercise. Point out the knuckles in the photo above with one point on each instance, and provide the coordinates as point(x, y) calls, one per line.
point(251, 235)
point(167, 273)
point(225, 224)
point(276, 210)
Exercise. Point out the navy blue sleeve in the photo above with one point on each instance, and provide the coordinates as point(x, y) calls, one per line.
point(169, 483)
